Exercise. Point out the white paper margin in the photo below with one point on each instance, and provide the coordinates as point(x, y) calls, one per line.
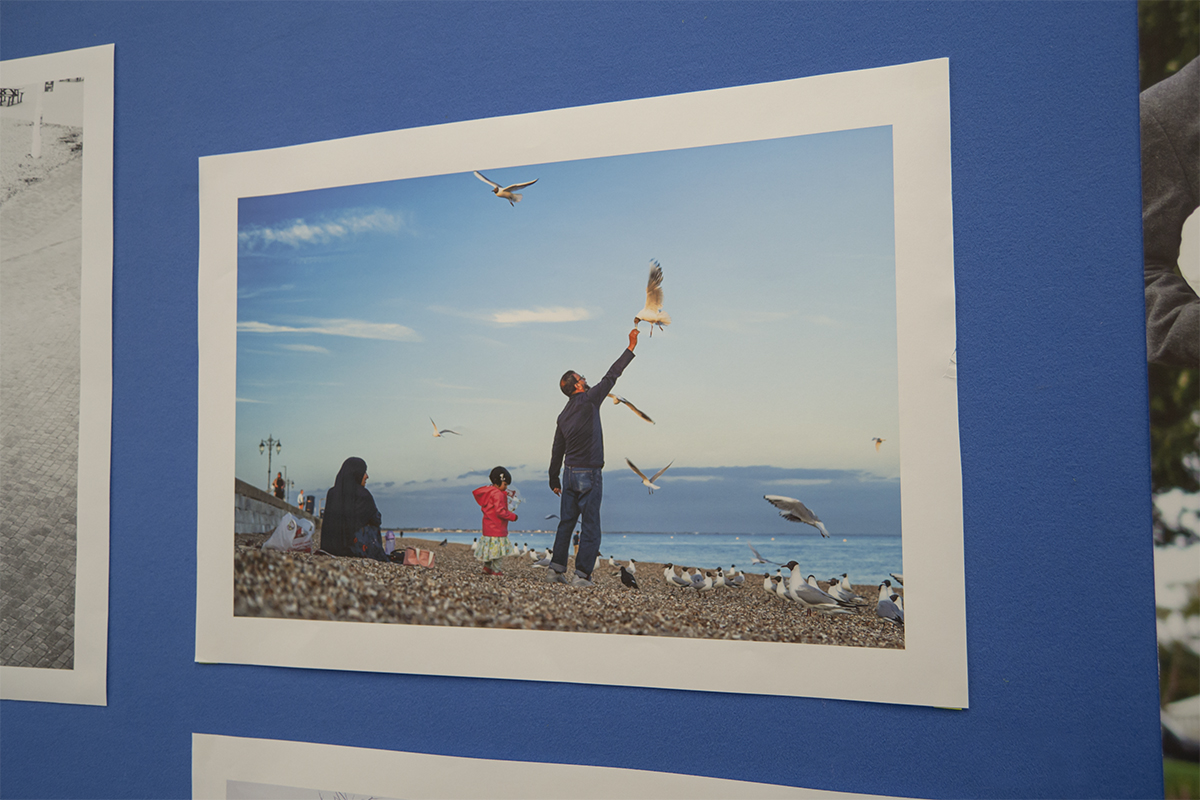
point(86, 683)
point(930, 670)
point(398, 774)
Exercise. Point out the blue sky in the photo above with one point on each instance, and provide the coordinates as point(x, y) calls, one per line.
point(365, 310)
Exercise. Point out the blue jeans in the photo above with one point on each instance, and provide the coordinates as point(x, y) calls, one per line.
point(581, 494)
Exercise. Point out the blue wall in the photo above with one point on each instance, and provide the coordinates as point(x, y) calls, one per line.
point(1051, 364)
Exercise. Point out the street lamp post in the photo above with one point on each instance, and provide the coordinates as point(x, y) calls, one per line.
point(266, 446)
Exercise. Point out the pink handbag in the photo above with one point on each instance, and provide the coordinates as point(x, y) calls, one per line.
point(416, 557)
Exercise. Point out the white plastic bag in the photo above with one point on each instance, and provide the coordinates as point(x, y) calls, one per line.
point(291, 535)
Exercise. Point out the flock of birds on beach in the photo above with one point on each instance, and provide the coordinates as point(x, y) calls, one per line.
point(838, 598)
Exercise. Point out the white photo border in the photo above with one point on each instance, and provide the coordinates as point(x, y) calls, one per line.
point(931, 669)
point(217, 760)
point(86, 682)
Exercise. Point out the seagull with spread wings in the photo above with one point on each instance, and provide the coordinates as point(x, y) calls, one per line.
point(617, 400)
point(507, 192)
point(792, 509)
point(648, 482)
point(758, 559)
point(878, 442)
point(653, 312)
point(438, 434)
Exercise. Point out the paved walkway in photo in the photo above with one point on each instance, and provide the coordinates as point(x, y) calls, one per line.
point(40, 252)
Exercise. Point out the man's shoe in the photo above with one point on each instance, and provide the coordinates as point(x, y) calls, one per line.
point(581, 583)
point(554, 576)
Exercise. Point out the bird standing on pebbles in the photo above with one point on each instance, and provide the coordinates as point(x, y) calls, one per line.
point(672, 579)
point(885, 608)
point(628, 579)
point(811, 597)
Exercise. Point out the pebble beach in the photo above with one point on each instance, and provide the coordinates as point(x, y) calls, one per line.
point(456, 592)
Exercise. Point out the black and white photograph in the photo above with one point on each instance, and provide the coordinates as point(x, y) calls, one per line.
point(55, 372)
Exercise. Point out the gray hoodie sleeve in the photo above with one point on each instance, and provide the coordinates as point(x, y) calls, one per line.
point(1170, 123)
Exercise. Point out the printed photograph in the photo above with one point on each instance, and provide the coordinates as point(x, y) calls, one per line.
point(1169, 38)
point(593, 394)
point(41, 227)
point(651, 394)
point(244, 768)
point(55, 373)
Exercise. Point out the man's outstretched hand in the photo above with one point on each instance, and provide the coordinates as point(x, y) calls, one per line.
point(633, 334)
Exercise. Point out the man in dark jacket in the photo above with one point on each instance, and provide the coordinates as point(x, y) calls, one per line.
point(579, 440)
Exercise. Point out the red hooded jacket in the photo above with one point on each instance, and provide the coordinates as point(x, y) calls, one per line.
point(496, 516)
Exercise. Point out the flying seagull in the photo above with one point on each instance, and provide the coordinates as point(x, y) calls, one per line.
point(792, 509)
point(617, 400)
point(552, 516)
point(437, 434)
point(759, 559)
point(899, 576)
point(653, 312)
point(878, 442)
point(507, 192)
point(649, 482)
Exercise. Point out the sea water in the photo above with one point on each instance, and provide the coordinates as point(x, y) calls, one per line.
point(866, 559)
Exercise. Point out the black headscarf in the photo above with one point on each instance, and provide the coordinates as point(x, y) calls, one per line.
point(348, 507)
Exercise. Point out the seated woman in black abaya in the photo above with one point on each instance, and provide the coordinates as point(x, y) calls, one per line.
point(350, 526)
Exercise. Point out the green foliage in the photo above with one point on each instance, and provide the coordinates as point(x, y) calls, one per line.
point(1181, 779)
point(1168, 37)
point(1179, 672)
point(1174, 438)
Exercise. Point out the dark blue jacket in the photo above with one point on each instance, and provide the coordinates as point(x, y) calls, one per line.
point(578, 436)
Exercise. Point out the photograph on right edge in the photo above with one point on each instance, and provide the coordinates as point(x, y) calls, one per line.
point(1169, 72)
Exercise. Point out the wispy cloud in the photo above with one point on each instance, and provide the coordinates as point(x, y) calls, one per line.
point(305, 348)
point(800, 482)
point(440, 384)
point(354, 328)
point(244, 294)
point(825, 321)
point(248, 400)
point(518, 316)
point(298, 232)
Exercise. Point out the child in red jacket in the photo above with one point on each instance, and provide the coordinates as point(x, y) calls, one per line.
point(493, 499)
